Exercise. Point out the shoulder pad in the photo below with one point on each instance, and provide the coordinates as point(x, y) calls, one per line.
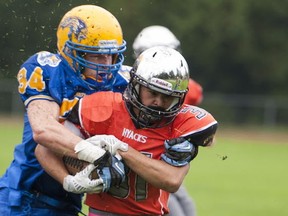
point(124, 71)
point(47, 58)
point(204, 137)
point(98, 107)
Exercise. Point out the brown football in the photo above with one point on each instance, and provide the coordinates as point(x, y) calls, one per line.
point(74, 165)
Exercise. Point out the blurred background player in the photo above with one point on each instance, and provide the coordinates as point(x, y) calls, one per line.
point(180, 203)
point(90, 53)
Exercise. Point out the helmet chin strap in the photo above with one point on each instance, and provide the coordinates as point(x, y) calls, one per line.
point(143, 119)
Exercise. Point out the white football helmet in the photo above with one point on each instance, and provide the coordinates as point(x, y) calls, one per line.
point(155, 35)
point(161, 69)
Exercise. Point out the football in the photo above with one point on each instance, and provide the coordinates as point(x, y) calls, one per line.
point(74, 165)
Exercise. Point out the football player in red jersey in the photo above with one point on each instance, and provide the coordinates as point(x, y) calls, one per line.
point(154, 99)
point(180, 203)
point(150, 117)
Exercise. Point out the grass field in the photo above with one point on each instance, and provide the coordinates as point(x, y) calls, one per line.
point(244, 174)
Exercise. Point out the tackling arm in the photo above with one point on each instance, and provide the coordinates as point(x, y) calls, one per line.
point(51, 163)
point(47, 131)
point(80, 183)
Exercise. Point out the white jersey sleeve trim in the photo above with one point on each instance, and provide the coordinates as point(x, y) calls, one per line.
point(38, 97)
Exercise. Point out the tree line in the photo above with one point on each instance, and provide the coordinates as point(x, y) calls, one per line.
point(231, 46)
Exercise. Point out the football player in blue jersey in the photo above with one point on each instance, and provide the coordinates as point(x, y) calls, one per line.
point(90, 53)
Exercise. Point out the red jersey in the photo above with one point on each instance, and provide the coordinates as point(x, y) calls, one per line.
point(195, 94)
point(105, 113)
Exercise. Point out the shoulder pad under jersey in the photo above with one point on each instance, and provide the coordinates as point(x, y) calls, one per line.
point(196, 125)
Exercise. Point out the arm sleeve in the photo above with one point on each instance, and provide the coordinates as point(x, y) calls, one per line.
point(196, 125)
point(203, 137)
point(34, 77)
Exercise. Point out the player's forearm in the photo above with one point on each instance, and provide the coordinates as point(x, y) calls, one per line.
point(51, 163)
point(156, 172)
point(47, 131)
point(58, 138)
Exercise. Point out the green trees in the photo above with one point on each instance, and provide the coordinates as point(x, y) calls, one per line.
point(231, 46)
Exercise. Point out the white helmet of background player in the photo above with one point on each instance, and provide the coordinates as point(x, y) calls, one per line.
point(155, 35)
point(160, 69)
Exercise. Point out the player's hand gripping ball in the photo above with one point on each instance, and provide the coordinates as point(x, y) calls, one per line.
point(74, 165)
point(82, 181)
point(109, 169)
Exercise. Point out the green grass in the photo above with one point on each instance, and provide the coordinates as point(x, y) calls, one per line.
point(10, 135)
point(251, 181)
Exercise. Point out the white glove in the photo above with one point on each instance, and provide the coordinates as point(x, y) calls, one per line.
point(81, 183)
point(88, 152)
point(109, 143)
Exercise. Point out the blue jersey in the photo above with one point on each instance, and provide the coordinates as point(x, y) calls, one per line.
point(46, 76)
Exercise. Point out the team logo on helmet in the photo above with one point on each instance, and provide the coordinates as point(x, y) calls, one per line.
point(161, 83)
point(77, 27)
